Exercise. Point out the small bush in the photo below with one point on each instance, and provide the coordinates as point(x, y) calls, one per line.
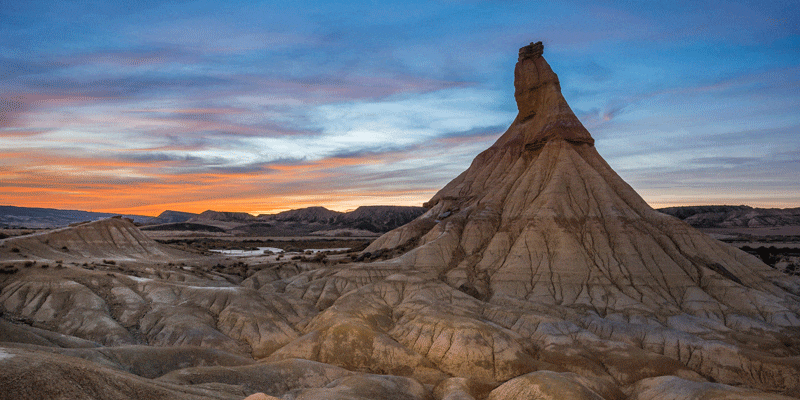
point(9, 269)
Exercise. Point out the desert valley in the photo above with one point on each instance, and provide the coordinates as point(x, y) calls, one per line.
point(537, 273)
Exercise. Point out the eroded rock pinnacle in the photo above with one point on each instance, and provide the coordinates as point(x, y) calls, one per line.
point(532, 51)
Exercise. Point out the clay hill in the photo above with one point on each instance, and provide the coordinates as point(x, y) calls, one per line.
point(34, 217)
point(538, 273)
point(114, 238)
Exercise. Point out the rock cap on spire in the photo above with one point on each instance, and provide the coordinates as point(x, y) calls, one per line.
point(543, 112)
point(532, 51)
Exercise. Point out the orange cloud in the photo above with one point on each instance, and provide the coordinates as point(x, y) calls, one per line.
point(116, 185)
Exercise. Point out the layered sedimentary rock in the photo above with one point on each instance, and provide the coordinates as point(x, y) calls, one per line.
point(112, 239)
point(541, 220)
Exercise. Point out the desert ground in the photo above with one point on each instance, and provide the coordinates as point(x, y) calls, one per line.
point(537, 273)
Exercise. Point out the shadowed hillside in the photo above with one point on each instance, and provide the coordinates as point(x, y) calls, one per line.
point(735, 216)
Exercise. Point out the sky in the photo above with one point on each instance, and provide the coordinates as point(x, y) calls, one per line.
point(262, 106)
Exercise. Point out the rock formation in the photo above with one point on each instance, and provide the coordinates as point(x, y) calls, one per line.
point(541, 222)
point(223, 216)
point(307, 215)
point(537, 273)
point(735, 216)
point(34, 217)
point(378, 218)
point(314, 221)
point(112, 239)
point(171, 217)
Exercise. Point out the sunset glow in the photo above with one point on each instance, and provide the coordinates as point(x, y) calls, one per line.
point(262, 106)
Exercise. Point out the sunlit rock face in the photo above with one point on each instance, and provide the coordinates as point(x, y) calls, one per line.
point(543, 228)
point(114, 239)
point(536, 273)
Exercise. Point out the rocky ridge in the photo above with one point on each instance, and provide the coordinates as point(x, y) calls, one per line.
point(34, 217)
point(171, 217)
point(365, 220)
point(734, 216)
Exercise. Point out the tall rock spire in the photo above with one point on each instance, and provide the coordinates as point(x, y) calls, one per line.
point(540, 217)
point(530, 75)
point(542, 204)
point(543, 111)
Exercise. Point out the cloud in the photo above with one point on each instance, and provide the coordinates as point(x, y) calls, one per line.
point(12, 68)
point(127, 86)
point(256, 106)
point(476, 132)
point(172, 177)
point(212, 34)
point(597, 116)
point(19, 132)
point(725, 161)
point(10, 108)
point(158, 157)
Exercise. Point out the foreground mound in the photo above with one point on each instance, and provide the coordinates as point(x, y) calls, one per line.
point(112, 239)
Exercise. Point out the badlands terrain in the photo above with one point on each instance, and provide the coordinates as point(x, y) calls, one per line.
point(537, 273)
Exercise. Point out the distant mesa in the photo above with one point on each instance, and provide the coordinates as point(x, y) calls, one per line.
point(317, 221)
point(378, 218)
point(308, 214)
point(170, 217)
point(34, 217)
point(184, 227)
point(735, 216)
point(210, 215)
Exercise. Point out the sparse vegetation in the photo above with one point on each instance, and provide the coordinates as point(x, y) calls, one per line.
point(9, 269)
point(771, 255)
